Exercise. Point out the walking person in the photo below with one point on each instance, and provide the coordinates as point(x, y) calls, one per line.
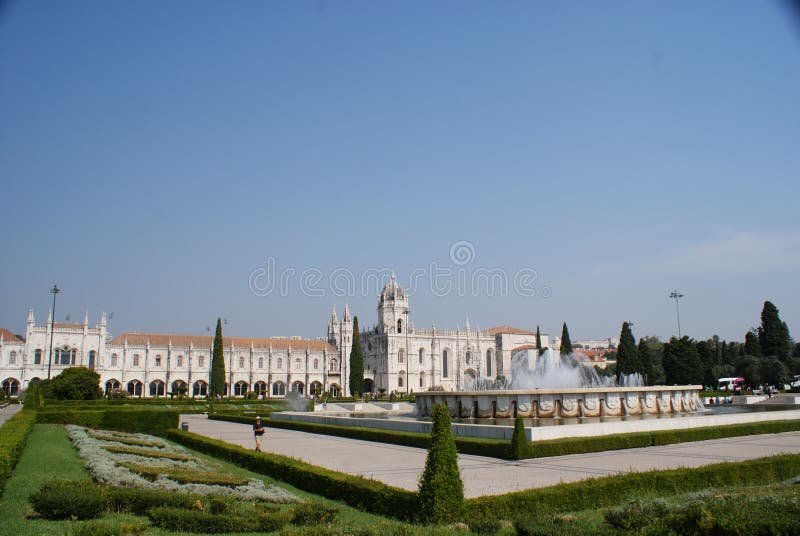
point(258, 431)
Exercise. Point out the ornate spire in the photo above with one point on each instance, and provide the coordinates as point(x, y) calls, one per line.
point(334, 318)
point(86, 318)
point(346, 314)
point(30, 316)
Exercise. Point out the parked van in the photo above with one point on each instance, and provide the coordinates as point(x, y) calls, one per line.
point(730, 384)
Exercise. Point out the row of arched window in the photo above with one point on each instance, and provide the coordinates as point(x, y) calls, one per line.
point(446, 361)
point(158, 388)
point(61, 356)
point(201, 362)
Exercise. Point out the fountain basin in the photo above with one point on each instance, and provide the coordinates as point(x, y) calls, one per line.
point(573, 402)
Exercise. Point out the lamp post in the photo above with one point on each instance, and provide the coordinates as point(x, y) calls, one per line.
point(677, 296)
point(54, 291)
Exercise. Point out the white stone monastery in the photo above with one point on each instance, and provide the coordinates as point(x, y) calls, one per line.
point(397, 356)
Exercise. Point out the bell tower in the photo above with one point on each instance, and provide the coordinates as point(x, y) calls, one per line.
point(393, 308)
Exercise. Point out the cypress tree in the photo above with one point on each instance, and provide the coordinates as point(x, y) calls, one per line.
point(566, 344)
point(520, 447)
point(646, 356)
point(441, 491)
point(539, 341)
point(356, 363)
point(628, 361)
point(751, 345)
point(773, 334)
point(682, 365)
point(217, 381)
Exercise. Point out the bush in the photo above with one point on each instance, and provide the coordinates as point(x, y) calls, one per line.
point(74, 383)
point(34, 397)
point(69, 499)
point(520, 447)
point(101, 528)
point(441, 491)
point(358, 492)
point(139, 501)
point(13, 435)
point(181, 520)
point(148, 421)
point(313, 513)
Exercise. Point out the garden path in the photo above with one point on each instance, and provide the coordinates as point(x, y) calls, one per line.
point(401, 466)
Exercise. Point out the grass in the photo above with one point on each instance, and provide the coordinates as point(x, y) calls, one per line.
point(147, 453)
point(116, 438)
point(186, 476)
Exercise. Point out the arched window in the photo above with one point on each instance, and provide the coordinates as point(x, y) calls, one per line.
point(421, 354)
point(158, 360)
point(12, 358)
point(422, 379)
point(401, 356)
point(135, 360)
point(400, 380)
point(278, 389)
point(179, 388)
point(135, 388)
point(489, 363)
point(261, 362)
point(240, 388)
point(445, 359)
point(11, 387)
point(468, 358)
point(200, 388)
point(37, 357)
point(180, 361)
point(297, 364)
point(334, 364)
point(114, 360)
point(298, 387)
point(260, 388)
point(201, 361)
point(92, 358)
point(399, 325)
point(112, 385)
point(316, 364)
point(157, 388)
point(280, 364)
point(241, 361)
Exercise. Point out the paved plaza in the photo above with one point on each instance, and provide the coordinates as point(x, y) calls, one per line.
point(9, 411)
point(401, 466)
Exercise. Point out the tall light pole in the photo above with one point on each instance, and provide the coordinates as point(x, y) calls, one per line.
point(677, 296)
point(54, 291)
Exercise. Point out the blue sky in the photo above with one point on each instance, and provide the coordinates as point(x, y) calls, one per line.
point(156, 158)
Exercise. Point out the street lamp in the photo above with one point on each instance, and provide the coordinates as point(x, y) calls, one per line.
point(54, 291)
point(677, 296)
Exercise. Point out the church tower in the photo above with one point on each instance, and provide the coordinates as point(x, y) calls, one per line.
point(333, 329)
point(393, 308)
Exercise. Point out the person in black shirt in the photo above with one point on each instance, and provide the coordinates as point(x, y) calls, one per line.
point(258, 431)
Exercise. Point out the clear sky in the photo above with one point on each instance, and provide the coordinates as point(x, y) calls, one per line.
point(158, 159)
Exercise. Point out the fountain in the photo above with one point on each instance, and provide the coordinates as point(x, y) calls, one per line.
point(551, 386)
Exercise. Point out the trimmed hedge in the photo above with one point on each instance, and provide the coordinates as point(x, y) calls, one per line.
point(13, 435)
point(69, 499)
point(155, 422)
point(368, 495)
point(495, 448)
point(608, 491)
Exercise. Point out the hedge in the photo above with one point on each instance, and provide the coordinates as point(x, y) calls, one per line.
point(358, 492)
point(496, 448)
point(607, 491)
point(148, 421)
point(13, 435)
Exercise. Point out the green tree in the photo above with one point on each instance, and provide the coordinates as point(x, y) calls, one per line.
point(441, 491)
point(749, 367)
point(709, 357)
point(773, 334)
point(774, 371)
point(356, 363)
point(539, 342)
point(751, 344)
point(74, 383)
point(628, 361)
point(520, 448)
point(646, 357)
point(217, 380)
point(34, 397)
point(681, 362)
point(566, 344)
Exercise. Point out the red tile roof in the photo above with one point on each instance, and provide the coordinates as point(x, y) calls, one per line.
point(164, 339)
point(8, 336)
point(524, 347)
point(508, 330)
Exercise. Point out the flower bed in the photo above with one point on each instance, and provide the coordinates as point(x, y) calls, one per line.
point(109, 458)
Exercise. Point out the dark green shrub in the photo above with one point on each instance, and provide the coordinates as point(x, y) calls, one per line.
point(13, 435)
point(74, 383)
point(139, 501)
point(486, 526)
point(34, 397)
point(441, 491)
point(101, 528)
point(313, 513)
point(69, 499)
point(520, 447)
point(548, 525)
point(182, 520)
point(148, 421)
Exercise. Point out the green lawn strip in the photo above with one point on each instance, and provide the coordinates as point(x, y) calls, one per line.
point(127, 440)
point(185, 476)
point(556, 447)
point(148, 453)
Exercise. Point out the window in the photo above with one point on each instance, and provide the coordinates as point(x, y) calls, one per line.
point(280, 363)
point(158, 360)
point(12, 358)
point(297, 364)
point(334, 364)
point(240, 389)
point(201, 361)
point(11, 387)
point(135, 388)
point(200, 388)
point(241, 361)
point(157, 388)
point(316, 364)
point(445, 358)
point(422, 379)
point(92, 358)
point(468, 358)
point(180, 361)
point(135, 360)
point(421, 354)
point(489, 363)
point(114, 360)
point(399, 326)
point(401, 356)
point(65, 356)
point(261, 362)
point(400, 381)
point(37, 357)
point(278, 389)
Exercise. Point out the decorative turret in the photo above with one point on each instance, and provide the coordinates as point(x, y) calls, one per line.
point(393, 308)
point(333, 328)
